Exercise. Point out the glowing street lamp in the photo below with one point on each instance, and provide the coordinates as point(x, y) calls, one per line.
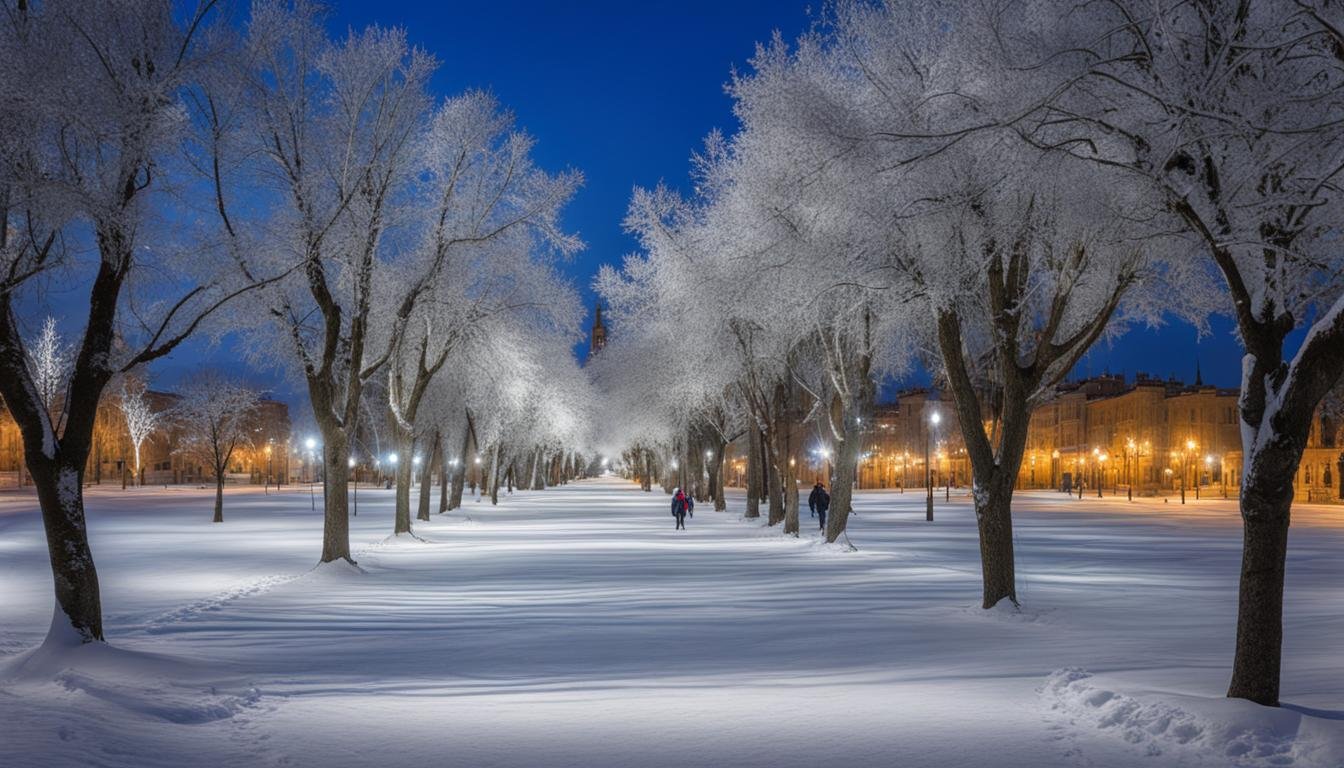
point(354, 488)
point(934, 419)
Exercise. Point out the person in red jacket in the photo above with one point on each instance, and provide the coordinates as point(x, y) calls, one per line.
point(681, 505)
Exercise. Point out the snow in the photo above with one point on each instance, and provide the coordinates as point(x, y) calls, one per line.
point(575, 627)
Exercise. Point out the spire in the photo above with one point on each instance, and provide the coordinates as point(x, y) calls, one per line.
point(1199, 377)
point(598, 338)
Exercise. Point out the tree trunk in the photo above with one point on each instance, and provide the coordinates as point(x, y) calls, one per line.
point(493, 480)
point(405, 448)
point(753, 472)
point(426, 475)
point(784, 452)
point(993, 513)
point(1265, 504)
point(716, 478)
point(846, 462)
point(460, 471)
point(445, 481)
point(219, 495)
point(336, 517)
point(60, 493)
point(538, 476)
point(774, 481)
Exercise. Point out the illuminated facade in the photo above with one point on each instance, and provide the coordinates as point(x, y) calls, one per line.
point(267, 456)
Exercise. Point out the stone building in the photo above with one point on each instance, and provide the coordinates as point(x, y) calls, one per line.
point(1151, 435)
point(162, 458)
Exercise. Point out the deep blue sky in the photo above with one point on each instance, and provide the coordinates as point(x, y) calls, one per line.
point(626, 91)
point(623, 91)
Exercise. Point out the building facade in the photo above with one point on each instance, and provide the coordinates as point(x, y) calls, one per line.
point(1148, 437)
point(266, 457)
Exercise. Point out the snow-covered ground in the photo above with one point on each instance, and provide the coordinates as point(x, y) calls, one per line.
point(575, 627)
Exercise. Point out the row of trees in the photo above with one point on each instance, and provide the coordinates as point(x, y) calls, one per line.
point(988, 189)
point(205, 171)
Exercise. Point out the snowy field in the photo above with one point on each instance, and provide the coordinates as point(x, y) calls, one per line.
point(575, 627)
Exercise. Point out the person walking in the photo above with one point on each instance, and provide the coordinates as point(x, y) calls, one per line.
point(820, 502)
point(680, 506)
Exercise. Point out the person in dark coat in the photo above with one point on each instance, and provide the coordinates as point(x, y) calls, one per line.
point(680, 506)
point(819, 502)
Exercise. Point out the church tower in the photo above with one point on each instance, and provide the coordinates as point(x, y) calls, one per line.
point(598, 340)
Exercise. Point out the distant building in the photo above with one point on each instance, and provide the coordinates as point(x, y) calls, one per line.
point(598, 339)
point(266, 456)
point(1152, 434)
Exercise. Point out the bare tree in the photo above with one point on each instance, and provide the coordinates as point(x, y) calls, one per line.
point(215, 415)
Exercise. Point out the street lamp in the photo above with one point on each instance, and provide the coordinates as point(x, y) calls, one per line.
point(1131, 448)
point(1101, 471)
point(1054, 469)
point(355, 487)
point(1208, 466)
point(311, 444)
point(934, 418)
point(1190, 446)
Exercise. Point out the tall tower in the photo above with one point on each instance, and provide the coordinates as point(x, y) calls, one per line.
point(598, 339)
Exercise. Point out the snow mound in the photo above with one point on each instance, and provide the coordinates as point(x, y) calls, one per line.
point(1212, 731)
point(150, 686)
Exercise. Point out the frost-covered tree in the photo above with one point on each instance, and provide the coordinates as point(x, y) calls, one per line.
point(49, 365)
point(93, 115)
point(141, 421)
point(332, 128)
point(491, 227)
point(215, 416)
point(1230, 114)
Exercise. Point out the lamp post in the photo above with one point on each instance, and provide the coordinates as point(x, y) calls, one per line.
point(354, 485)
point(1101, 471)
point(311, 444)
point(1130, 448)
point(1180, 462)
point(1190, 446)
point(934, 418)
point(269, 467)
point(1082, 472)
point(1208, 467)
point(1054, 469)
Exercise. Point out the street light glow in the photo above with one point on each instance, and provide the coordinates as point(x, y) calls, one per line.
point(352, 462)
point(311, 443)
point(935, 417)
point(391, 458)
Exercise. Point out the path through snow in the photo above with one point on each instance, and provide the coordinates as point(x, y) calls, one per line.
point(575, 627)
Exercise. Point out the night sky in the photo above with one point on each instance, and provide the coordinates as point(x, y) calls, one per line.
point(626, 92)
